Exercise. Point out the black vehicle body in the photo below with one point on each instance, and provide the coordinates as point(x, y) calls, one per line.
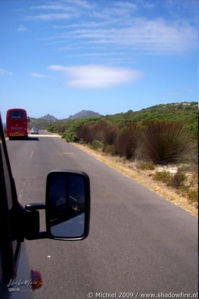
point(18, 223)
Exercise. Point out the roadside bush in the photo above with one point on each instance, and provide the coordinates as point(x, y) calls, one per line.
point(193, 195)
point(96, 144)
point(99, 131)
point(91, 132)
point(194, 179)
point(70, 135)
point(164, 142)
point(51, 128)
point(192, 157)
point(84, 133)
point(126, 143)
point(163, 176)
point(193, 129)
point(59, 127)
point(110, 135)
point(109, 149)
point(146, 165)
point(178, 179)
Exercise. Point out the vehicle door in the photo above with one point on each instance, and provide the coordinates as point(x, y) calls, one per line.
point(14, 268)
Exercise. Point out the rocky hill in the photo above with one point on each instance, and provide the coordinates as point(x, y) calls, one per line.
point(84, 114)
point(49, 117)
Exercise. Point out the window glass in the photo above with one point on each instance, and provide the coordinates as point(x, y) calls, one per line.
point(16, 114)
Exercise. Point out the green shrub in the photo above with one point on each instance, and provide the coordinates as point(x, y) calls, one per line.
point(178, 179)
point(71, 131)
point(110, 135)
point(109, 149)
point(193, 129)
point(163, 176)
point(96, 144)
point(184, 188)
point(146, 165)
point(91, 131)
point(126, 142)
point(164, 141)
point(194, 179)
point(59, 127)
point(51, 128)
point(84, 133)
point(70, 135)
point(193, 195)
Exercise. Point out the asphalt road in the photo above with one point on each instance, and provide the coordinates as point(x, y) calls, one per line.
point(138, 243)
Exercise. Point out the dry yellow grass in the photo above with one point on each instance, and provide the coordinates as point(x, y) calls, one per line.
point(142, 178)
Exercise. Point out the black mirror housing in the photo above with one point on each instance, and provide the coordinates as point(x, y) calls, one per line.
point(67, 205)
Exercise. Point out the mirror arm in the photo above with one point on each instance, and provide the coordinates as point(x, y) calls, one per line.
point(40, 235)
point(35, 206)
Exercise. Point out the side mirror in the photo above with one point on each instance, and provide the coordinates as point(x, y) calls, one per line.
point(67, 205)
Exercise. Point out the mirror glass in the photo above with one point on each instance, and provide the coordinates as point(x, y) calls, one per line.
point(66, 205)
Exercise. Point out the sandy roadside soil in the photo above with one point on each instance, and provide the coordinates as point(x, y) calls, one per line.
point(142, 177)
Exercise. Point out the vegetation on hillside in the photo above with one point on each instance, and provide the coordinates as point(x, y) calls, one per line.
point(162, 134)
point(159, 135)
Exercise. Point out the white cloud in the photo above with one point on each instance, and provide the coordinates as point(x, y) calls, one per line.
point(50, 7)
point(22, 28)
point(119, 24)
point(156, 36)
point(96, 76)
point(37, 75)
point(59, 11)
point(57, 68)
point(127, 4)
point(81, 3)
point(51, 16)
point(5, 72)
point(83, 25)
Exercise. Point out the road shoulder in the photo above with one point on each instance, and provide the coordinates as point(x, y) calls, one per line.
point(142, 179)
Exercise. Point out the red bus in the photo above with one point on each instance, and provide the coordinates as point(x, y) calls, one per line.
point(16, 123)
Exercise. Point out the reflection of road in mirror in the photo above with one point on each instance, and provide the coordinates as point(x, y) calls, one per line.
point(70, 228)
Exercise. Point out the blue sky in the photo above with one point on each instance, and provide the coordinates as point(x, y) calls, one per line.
point(109, 56)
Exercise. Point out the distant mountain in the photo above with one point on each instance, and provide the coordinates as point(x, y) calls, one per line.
point(49, 117)
point(84, 114)
point(44, 121)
